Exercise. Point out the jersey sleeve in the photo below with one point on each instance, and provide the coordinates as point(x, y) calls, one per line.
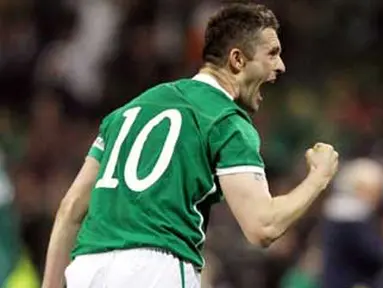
point(235, 147)
point(97, 149)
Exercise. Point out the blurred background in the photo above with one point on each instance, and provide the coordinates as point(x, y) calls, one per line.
point(64, 64)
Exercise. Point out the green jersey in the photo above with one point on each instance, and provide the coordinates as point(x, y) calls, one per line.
point(159, 158)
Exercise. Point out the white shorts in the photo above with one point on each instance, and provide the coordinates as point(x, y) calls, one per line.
point(134, 268)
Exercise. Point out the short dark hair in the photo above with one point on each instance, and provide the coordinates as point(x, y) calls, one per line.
point(235, 26)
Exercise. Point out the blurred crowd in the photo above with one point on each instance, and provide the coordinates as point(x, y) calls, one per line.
point(64, 64)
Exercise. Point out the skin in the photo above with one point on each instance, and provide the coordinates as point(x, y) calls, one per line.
point(242, 77)
point(263, 218)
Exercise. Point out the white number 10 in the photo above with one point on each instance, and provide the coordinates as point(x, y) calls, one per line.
point(130, 171)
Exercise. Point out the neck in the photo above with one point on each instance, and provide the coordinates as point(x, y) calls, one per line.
point(223, 77)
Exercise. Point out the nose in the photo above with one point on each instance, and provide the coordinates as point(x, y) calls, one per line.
point(280, 67)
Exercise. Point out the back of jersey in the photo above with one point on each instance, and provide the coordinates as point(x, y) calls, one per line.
point(156, 173)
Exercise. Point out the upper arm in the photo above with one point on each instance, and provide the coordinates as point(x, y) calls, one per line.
point(248, 197)
point(76, 201)
point(96, 151)
point(235, 146)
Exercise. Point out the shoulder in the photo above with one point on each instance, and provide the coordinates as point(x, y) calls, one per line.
point(234, 119)
point(112, 115)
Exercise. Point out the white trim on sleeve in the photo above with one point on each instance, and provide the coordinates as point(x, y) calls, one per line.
point(239, 169)
point(99, 143)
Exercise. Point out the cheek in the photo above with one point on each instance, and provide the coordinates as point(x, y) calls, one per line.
point(254, 71)
point(268, 65)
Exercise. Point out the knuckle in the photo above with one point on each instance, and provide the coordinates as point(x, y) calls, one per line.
point(328, 146)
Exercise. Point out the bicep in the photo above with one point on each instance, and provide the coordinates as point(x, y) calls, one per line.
point(248, 197)
point(75, 202)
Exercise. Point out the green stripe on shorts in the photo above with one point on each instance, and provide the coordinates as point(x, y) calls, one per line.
point(182, 271)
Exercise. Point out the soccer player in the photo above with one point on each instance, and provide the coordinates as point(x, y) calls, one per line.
point(137, 212)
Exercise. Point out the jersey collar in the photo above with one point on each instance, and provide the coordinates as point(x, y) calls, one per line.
point(208, 79)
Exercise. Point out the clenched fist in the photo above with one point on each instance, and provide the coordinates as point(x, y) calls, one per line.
point(322, 159)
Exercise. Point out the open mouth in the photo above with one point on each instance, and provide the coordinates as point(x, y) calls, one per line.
point(270, 80)
point(261, 87)
point(267, 82)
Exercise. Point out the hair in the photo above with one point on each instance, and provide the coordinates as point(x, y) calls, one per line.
point(235, 26)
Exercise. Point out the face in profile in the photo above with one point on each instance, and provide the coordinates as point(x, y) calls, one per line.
point(263, 67)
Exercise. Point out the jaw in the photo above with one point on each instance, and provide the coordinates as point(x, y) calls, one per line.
point(250, 104)
point(256, 98)
point(256, 104)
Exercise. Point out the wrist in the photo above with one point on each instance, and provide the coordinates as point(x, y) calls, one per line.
point(318, 179)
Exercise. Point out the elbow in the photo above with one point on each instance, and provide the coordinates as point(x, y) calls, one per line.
point(68, 211)
point(263, 236)
point(65, 210)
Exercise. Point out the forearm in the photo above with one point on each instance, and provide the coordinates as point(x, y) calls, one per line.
point(58, 257)
point(285, 210)
point(264, 218)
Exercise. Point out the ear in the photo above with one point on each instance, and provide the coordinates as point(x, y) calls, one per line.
point(236, 60)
